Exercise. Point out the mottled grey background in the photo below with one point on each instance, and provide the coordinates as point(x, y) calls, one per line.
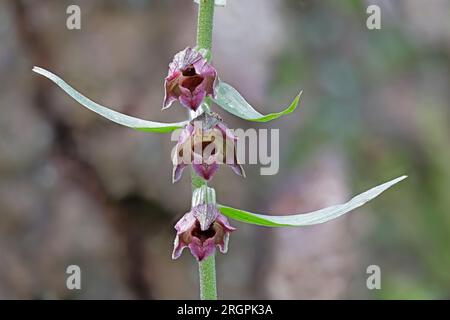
point(76, 189)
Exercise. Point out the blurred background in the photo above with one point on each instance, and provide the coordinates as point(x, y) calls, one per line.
point(77, 189)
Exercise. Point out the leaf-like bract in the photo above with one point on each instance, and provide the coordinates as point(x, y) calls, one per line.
point(117, 117)
point(310, 218)
point(231, 100)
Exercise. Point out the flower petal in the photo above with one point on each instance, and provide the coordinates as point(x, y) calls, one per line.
point(178, 247)
point(178, 172)
point(238, 169)
point(185, 223)
point(183, 59)
point(171, 89)
point(224, 222)
point(223, 246)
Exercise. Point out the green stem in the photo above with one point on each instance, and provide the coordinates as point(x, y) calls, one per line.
point(207, 274)
point(205, 24)
point(207, 267)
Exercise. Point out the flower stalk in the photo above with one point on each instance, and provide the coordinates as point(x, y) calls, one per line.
point(207, 267)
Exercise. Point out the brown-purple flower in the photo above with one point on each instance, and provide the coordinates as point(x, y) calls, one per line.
point(201, 230)
point(190, 79)
point(205, 143)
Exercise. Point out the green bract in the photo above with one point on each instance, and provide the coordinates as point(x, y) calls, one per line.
point(117, 117)
point(231, 100)
point(310, 218)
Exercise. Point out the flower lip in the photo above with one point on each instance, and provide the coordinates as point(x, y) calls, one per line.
point(192, 82)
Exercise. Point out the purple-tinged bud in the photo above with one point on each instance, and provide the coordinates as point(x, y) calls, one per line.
point(205, 143)
point(190, 79)
point(203, 228)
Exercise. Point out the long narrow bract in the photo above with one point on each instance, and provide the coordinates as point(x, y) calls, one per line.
point(117, 117)
point(310, 218)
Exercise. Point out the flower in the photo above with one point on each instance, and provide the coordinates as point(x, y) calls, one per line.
point(190, 79)
point(201, 230)
point(205, 143)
